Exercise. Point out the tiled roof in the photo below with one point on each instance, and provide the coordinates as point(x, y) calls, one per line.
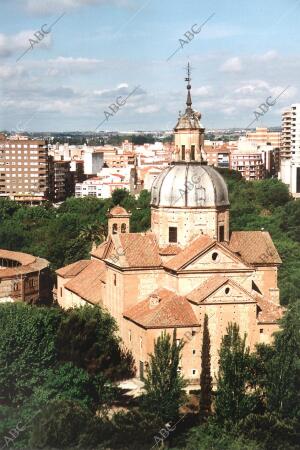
point(118, 211)
point(22, 258)
point(201, 292)
point(73, 269)
point(99, 251)
point(88, 283)
point(254, 247)
point(171, 310)
point(171, 249)
point(195, 248)
point(269, 312)
point(213, 283)
point(135, 250)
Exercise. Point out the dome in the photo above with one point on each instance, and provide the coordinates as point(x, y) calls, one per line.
point(189, 185)
point(118, 211)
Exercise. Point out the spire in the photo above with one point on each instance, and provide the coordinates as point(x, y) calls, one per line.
point(188, 79)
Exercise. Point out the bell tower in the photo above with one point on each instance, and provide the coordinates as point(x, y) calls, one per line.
point(118, 220)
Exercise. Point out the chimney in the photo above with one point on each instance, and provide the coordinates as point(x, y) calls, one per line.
point(154, 300)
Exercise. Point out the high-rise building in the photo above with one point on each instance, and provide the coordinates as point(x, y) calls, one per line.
point(24, 169)
point(290, 149)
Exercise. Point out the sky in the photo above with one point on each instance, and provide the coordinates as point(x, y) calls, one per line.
point(88, 65)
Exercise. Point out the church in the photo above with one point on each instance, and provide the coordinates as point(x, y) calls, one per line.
point(187, 266)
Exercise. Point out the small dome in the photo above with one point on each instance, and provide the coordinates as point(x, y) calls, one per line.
point(118, 211)
point(189, 185)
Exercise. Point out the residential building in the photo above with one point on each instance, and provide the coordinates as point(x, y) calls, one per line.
point(107, 180)
point(262, 136)
point(24, 169)
point(290, 149)
point(93, 161)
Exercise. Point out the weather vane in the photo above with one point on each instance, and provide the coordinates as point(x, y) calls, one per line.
point(188, 71)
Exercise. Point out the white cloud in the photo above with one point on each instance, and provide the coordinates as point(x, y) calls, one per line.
point(202, 91)
point(10, 44)
point(148, 109)
point(7, 72)
point(268, 56)
point(54, 6)
point(232, 65)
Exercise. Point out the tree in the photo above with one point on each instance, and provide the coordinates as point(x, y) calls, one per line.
point(233, 401)
point(281, 375)
point(205, 377)
point(65, 424)
point(164, 384)
point(27, 349)
point(88, 338)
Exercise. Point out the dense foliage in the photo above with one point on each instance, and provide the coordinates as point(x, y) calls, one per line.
point(164, 384)
point(47, 354)
point(65, 234)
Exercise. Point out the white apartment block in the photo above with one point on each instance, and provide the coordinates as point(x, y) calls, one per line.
point(106, 181)
point(290, 149)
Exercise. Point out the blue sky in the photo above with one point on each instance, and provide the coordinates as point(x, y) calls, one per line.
point(102, 49)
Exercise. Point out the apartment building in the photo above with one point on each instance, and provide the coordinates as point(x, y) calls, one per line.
point(107, 180)
point(24, 169)
point(290, 149)
point(262, 136)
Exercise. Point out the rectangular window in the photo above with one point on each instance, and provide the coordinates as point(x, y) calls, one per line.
point(194, 352)
point(183, 152)
point(261, 330)
point(115, 279)
point(192, 153)
point(221, 233)
point(194, 371)
point(172, 234)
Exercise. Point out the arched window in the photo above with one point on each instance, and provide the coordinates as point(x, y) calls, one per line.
point(115, 228)
point(123, 228)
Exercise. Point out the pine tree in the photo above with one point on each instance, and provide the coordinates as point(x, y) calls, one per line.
point(164, 384)
point(233, 402)
point(205, 378)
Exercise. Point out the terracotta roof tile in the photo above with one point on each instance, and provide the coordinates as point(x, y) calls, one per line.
point(73, 269)
point(169, 250)
point(201, 292)
point(163, 308)
point(99, 251)
point(88, 283)
point(269, 312)
point(135, 250)
point(211, 285)
point(254, 247)
point(118, 211)
point(22, 258)
point(195, 248)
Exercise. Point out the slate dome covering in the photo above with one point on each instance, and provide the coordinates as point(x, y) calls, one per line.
point(189, 185)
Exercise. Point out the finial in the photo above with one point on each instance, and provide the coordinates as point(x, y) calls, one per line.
point(188, 80)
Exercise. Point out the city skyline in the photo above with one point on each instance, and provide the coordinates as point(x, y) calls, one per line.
point(66, 77)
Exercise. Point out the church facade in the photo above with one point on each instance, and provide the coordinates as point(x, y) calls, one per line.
point(187, 266)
